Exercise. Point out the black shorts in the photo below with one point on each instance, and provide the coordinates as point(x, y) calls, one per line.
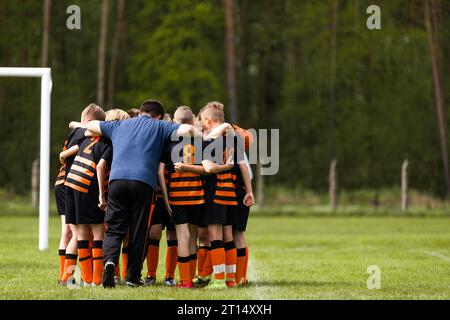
point(161, 216)
point(188, 214)
point(242, 213)
point(218, 214)
point(82, 208)
point(60, 198)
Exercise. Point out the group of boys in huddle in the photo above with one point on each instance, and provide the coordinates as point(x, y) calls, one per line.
point(203, 199)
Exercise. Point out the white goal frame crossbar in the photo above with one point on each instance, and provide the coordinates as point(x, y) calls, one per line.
point(44, 178)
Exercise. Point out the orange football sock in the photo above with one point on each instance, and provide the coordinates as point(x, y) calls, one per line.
point(124, 262)
point(97, 257)
point(218, 259)
point(240, 262)
point(207, 266)
point(171, 258)
point(84, 254)
point(193, 265)
point(184, 268)
point(62, 259)
point(69, 266)
point(152, 257)
point(230, 261)
point(201, 257)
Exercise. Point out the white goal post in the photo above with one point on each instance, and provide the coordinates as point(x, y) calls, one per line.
point(44, 178)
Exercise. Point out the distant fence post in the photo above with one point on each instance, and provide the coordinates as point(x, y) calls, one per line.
point(35, 183)
point(405, 185)
point(332, 183)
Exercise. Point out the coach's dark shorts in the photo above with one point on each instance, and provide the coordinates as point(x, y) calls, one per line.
point(161, 216)
point(219, 214)
point(242, 213)
point(188, 214)
point(60, 197)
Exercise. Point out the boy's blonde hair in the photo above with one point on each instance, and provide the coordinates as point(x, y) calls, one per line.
point(94, 112)
point(213, 111)
point(184, 115)
point(116, 114)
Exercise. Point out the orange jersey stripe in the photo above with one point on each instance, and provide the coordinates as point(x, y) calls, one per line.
point(227, 203)
point(186, 203)
point(196, 193)
point(76, 187)
point(225, 184)
point(79, 179)
point(186, 184)
point(86, 161)
point(231, 194)
point(183, 174)
point(82, 170)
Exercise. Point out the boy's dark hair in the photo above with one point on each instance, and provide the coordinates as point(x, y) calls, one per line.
point(153, 108)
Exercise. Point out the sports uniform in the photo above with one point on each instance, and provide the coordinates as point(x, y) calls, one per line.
point(72, 139)
point(219, 189)
point(82, 193)
point(186, 194)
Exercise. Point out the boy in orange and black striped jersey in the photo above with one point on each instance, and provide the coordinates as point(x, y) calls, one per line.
point(219, 196)
point(66, 157)
point(186, 196)
point(91, 112)
point(241, 175)
point(86, 190)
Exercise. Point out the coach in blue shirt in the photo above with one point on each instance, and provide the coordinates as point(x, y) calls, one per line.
point(137, 145)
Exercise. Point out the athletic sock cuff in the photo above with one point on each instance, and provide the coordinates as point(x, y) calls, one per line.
point(98, 244)
point(241, 252)
point(172, 243)
point(62, 252)
point(153, 242)
point(216, 244)
point(229, 245)
point(204, 247)
point(71, 256)
point(183, 259)
point(125, 250)
point(83, 244)
point(193, 256)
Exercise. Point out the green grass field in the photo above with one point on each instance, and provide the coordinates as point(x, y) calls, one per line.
point(290, 258)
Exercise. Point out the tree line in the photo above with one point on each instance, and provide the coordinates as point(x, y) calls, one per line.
point(336, 90)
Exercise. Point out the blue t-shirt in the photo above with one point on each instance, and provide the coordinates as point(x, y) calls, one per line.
point(138, 144)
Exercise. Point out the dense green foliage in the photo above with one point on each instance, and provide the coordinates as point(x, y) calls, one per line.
point(175, 51)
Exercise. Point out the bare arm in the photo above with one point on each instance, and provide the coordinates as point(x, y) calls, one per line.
point(94, 128)
point(181, 167)
point(75, 125)
point(101, 174)
point(211, 167)
point(188, 130)
point(249, 199)
point(162, 184)
point(68, 153)
point(224, 128)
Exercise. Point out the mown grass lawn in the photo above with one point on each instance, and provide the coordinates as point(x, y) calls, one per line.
point(290, 258)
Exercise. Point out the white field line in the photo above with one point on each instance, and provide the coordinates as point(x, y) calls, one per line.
point(252, 276)
point(438, 255)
